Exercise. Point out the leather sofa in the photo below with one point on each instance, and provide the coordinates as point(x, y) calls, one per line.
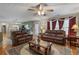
point(54, 36)
point(19, 37)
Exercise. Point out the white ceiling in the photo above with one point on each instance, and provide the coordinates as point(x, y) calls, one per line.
point(17, 12)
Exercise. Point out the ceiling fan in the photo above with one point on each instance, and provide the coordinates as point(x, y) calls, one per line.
point(40, 9)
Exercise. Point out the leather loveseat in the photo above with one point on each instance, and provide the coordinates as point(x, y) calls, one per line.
point(55, 36)
point(19, 37)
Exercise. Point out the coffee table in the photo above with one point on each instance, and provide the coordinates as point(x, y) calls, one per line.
point(39, 49)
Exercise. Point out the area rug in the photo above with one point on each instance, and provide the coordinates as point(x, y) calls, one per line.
point(24, 50)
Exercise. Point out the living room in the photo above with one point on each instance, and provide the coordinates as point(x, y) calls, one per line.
point(39, 28)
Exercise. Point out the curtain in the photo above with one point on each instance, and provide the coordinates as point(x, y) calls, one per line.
point(72, 21)
point(65, 26)
point(54, 24)
point(57, 25)
point(61, 22)
point(48, 25)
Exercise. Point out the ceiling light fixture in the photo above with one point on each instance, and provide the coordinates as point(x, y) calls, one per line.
point(40, 12)
point(40, 9)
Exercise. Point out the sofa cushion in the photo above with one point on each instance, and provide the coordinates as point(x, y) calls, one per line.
point(54, 38)
point(49, 34)
point(51, 31)
point(60, 36)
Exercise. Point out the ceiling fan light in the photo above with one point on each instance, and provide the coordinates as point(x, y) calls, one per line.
point(42, 13)
point(39, 13)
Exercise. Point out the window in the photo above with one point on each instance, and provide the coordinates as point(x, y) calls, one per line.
point(57, 25)
point(50, 25)
point(66, 25)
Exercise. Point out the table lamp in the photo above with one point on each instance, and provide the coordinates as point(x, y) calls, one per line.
point(75, 27)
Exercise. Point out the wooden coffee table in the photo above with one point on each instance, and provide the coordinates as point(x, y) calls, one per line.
point(39, 49)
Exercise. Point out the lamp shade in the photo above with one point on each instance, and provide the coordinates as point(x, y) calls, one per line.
point(75, 26)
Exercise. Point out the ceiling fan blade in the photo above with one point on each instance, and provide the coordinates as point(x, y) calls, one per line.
point(51, 10)
point(31, 9)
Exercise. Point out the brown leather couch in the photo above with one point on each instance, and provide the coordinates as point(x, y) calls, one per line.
point(55, 36)
point(19, 38)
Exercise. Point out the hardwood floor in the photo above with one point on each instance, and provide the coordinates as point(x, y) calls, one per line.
point(74, 50)
point(3, 48)
point(2, 51)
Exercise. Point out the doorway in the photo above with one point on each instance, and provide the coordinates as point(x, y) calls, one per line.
point(37, 29)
